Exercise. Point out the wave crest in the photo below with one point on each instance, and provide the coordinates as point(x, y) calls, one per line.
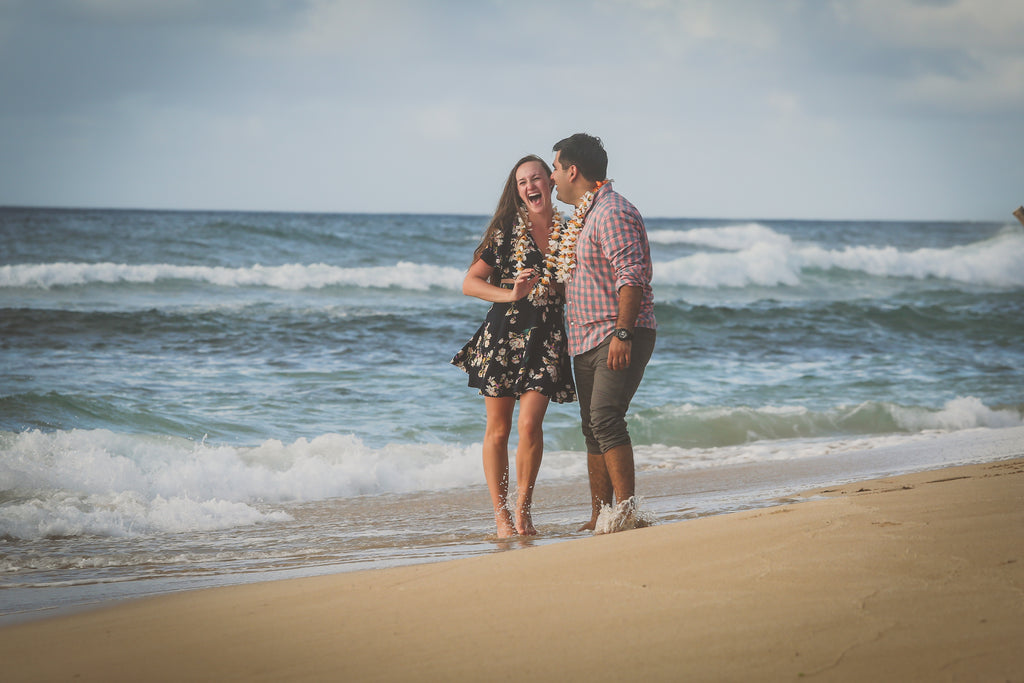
point(692, 426)
point(404, 275)
point(97, 482)
point(756, 255)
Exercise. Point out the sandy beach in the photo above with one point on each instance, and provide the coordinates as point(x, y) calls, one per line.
point(911, 578)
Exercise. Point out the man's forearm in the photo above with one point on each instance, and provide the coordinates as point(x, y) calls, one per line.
point(630, 298)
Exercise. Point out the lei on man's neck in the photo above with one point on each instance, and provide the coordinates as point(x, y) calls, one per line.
point(560, 260)
point(565, 261)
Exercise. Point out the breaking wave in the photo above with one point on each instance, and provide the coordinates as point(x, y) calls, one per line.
point(102, 483)
point(754, 254)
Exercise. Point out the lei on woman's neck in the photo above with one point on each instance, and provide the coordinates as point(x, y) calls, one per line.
point(521, 232)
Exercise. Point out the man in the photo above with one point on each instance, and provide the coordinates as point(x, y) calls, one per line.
point(609, 319)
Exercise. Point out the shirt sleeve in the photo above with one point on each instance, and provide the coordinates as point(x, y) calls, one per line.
point(623, 242)
point(489, 257)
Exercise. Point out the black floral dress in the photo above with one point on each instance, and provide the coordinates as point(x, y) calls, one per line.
point(521, 346)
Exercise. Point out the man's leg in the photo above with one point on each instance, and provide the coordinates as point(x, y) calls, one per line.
point(605, 395)
point(610, 396)
point(618, 463)
point(600, 483)
point(601, 489)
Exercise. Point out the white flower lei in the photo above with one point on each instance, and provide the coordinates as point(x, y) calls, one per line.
point(540, 291)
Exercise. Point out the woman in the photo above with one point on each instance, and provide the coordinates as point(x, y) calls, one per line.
point(520, 351)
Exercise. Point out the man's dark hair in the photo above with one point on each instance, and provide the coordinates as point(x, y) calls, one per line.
point(586, 153)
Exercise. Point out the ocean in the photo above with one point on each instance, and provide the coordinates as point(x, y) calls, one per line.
point(195, 398)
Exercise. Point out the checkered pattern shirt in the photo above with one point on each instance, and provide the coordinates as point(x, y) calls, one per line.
point(612, 251)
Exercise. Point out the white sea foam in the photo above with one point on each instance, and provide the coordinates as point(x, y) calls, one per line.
point(957, 418)
point(729, 237)
point(740, 256)
point(997, 261)
point(725, 426)
point(98, 482)
point(60, 514)
point(662, 457)
point(404, 275)
point(756, 255)
point(965, 412)
point(766, 264)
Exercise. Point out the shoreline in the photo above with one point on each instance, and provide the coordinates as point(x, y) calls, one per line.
point(910, 577)
point(672, 495)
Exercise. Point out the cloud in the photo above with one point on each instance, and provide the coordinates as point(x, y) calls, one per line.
point(680, 28)
point(959, 55)
point(907, 55)
point(950, 24)
point(795, 107)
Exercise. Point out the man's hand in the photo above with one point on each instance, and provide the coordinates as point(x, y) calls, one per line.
point(629, 307)
point(618, 354)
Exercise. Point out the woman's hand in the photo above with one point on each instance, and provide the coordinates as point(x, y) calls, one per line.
point(524, 283)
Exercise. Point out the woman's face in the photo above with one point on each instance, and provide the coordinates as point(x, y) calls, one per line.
point(534, 186)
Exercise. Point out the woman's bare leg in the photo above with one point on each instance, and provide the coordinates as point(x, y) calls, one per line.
point(495, 458)
point(532, 407)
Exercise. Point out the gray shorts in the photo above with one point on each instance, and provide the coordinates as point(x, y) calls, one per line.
point(605, 394)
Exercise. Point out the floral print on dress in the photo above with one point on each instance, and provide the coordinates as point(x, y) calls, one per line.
point(520, 346)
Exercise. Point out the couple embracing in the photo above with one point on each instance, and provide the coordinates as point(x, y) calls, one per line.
point(576, 289)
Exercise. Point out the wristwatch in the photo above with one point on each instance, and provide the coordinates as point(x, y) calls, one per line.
point(623, 334)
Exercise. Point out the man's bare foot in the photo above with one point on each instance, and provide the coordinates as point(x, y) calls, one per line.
point(503, 520)
point(589, 526)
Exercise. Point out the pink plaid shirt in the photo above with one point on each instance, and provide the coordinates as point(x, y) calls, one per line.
point(612, 251)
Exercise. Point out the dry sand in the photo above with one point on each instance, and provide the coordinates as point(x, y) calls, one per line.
point(911, 578)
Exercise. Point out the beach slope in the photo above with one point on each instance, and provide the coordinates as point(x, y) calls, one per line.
point(911, 578)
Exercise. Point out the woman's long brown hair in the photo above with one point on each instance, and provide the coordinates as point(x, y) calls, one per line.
point(505, 215)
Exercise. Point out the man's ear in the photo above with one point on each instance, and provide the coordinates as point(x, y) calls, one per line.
point(573, 173)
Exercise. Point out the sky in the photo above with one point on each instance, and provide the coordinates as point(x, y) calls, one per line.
point(758, 109)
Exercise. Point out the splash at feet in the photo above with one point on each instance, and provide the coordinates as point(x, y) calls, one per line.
point(622, 517)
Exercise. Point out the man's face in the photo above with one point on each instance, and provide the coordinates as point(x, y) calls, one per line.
point(560, 177)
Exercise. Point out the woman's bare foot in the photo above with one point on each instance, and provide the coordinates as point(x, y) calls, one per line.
point(524, 523)
point(503, 520)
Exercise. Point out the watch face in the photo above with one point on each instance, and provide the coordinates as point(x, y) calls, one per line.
point(622, 334)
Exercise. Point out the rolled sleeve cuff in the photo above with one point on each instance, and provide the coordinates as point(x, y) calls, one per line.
point(635, 276)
